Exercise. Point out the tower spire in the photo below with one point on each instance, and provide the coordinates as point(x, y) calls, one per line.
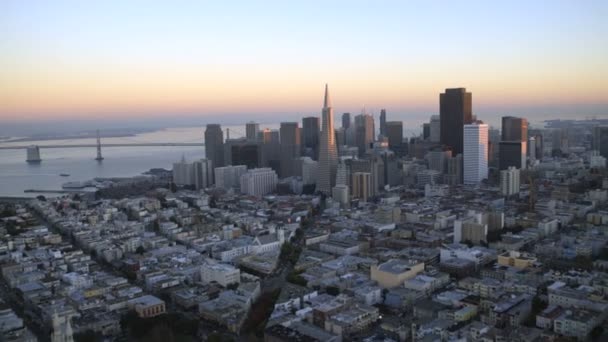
point(327, 100)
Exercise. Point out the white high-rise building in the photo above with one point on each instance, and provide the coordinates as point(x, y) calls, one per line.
point(341, 194)
point(509, 181)
point(342, 172)
point(198, 173)
point(532, 148)
point(182, 173)
point(229, 177)
point(309, 170)
point(475, 154)
point(259, 182)
point(328, 154)
point(203, 173)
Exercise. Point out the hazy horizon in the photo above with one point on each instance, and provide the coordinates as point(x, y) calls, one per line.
point(68, 60)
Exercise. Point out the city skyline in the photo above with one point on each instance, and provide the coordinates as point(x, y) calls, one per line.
point(98, 61)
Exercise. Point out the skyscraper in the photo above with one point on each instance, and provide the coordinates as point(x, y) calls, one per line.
point(455, 111)
point(258, 182)
point(509, 181)
point(383, 122)
point(514, 129)
point(393, 130)
point(214, 144)
point(364, 132)
point(435, 129)
point(512, 153)
point(362, 186)
point(475, 156)
point(243, 151)
point(346, 120)
point(310, 136)
point(290, 148)
point(228, 177)
point(252, 129)
point(271, 152)
point(600, 140)
point(328, 154)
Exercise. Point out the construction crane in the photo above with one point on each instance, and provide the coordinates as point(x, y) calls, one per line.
point(532, 196)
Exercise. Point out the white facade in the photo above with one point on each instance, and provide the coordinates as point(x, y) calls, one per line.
point(228, 177)
point(259, 182)
point(203, 173)
point(198, 173)
point(309, 170)
point(182, 173)
point(341, 194)
point(222, 274)
point(532, 148)
point(509, 181)
point(475, 156)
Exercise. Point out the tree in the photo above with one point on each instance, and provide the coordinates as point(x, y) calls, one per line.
point(332, 290)
point(232, 286)
point(88, 336)
point(41, 198)
point(12, 228)
point(173, 187)
point(140, 250)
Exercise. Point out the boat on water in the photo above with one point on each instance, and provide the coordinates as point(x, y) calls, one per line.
point(73, 185)
point(64, 174)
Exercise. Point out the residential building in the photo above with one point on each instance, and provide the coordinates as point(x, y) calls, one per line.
point(223, 274)
point(509, 181)
point(258, 182)
point(229, 177)
point(395, 272)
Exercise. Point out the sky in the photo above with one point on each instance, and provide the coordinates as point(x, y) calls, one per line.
point(269, 60)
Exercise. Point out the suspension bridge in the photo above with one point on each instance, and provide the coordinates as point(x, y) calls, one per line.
point(33, 151)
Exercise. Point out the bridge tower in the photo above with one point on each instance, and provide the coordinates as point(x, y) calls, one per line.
point(99, 156)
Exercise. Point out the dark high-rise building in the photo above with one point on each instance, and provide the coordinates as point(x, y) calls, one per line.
point(290, 148)
point(383, 122)
point(512, 153)
point(243, 151)
point(346, 120)
point(514, 129)
point(364, 132)
point(214, 144)
point(455, 111)
point(310, 136)
point(394, 133)
point(600, 140)
point(426, 131)
point(252, 129)
point(271, 143)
